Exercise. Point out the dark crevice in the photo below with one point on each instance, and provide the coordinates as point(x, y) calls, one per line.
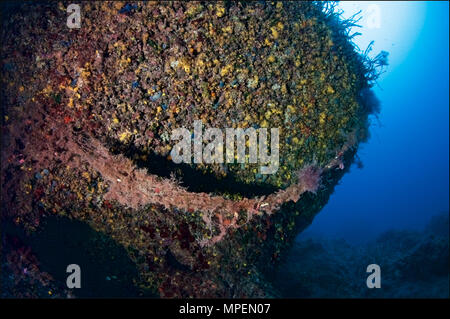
point(106, 268)
point(194, 180)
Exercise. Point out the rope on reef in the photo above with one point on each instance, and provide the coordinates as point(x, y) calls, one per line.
point(134, 187)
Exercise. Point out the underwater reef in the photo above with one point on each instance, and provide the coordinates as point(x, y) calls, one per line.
point(414, 264)
point(86, 118)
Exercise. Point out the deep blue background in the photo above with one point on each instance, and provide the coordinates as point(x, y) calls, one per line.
point(405, 179)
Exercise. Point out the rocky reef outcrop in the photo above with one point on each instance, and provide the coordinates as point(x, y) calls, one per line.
point(87, 115)
point(413, 263)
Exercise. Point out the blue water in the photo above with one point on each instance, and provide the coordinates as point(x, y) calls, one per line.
point(405, 178)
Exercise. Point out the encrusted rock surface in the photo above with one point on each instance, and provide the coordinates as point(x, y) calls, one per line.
point(87, 115)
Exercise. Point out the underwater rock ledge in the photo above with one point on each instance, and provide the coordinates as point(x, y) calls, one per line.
point(86, 116)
